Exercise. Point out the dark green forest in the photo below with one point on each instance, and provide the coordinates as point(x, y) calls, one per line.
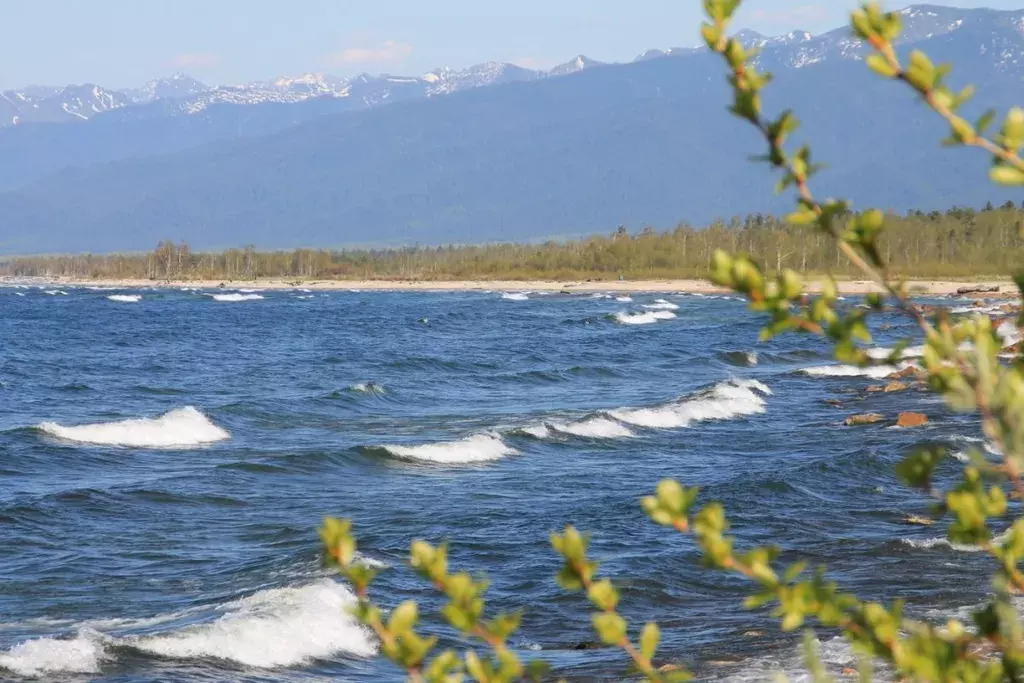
point(961, 242)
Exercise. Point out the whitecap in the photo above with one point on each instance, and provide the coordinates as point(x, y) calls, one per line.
point(995, 308)
point(235, 296)
point(593, 428)
point(624, 299)
point(476, 448)
point(515, 296)
point(272, 628)
point(40, 656)
point(367, 388)
point(873, 372)
point(126, 298)
point(56, 292)
point(1009, 333)
point(180, 428)
point(724, 401)
point(662, 305)
point(943, 542)
point(648, 318)
point(881, 353)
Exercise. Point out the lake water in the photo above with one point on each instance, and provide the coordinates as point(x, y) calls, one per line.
point(182, 546)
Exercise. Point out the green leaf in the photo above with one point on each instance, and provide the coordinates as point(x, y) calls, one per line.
point(403, 618)
point(610, 627)
point(649, 640)
point(1006, 175)
point(603, 595)
point(916, 469)
point(880, 65)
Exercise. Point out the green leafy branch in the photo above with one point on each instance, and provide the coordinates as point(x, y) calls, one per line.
point(916, 650)
point(579, 573)
point(879, 29)
point(464, 611)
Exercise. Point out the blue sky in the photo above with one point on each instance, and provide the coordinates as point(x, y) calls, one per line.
point(121, 43)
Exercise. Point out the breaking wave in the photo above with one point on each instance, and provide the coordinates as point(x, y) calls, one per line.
point(663, 305)
point(515, 296)
point(367, 388)
point(873, 372)
point(881, 353)
point(277, 627)
point(723, 401)
point(126, 298)
point(180, 428)
point(476, 448)
point(648, 318)
point(942, 542)
point(624, 299)
point(592, 428)
point(235, 296)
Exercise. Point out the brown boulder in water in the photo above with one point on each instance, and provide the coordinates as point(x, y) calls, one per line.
point(919, 520)
point(909, 371)
point(864, 419)
point(909, 419)
point(895, 386)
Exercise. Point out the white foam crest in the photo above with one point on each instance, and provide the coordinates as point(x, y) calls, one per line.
point(835, 654)
point(276, 627)
point(536, 431)
point(41, 656)
point(179, 428)
point(476, 448)
point(251, 291)
point(882, 353)
point(235, 296)
point(648, 318)
point(367, 388)
point(272, 628)
point(994, 308)
point(624, 299)
point(593, 428)
point(515, 296)
point(126, 298)
point(928, 543)
point(874, 372)
point(724, 401)
point(1009, 333)
point(662, 304)
point(56, 292)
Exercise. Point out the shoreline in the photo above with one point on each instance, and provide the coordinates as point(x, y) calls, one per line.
point(690, 286)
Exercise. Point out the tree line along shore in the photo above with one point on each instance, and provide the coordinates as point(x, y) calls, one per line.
point(958, 243)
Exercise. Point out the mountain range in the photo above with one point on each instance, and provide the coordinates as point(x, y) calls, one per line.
point(490, 152)
point(180, 94)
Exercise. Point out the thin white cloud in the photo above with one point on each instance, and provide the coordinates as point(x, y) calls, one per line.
point(792, 17)
point(388, 52)
point(194, 60)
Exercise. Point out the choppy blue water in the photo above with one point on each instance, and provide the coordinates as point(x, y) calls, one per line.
point(183, 546)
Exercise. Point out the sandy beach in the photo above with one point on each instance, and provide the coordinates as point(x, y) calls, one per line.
point(921, 287)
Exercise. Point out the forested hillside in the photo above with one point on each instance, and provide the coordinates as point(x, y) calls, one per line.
point(960, 242)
